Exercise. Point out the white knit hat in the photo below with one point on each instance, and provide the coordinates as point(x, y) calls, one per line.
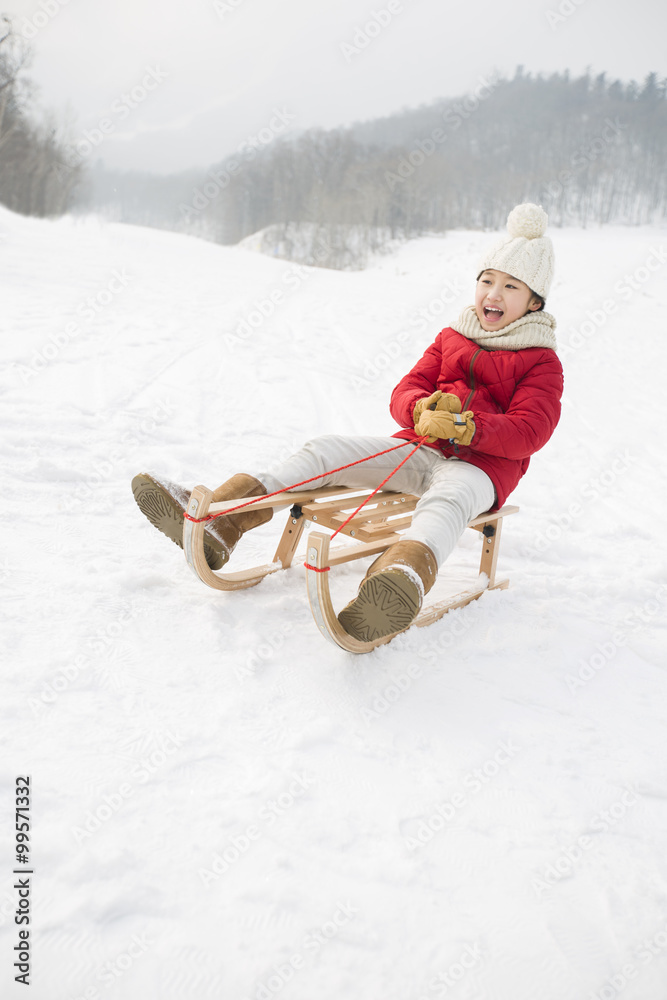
point(527, 254)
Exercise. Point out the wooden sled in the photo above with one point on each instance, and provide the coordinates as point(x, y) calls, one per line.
point(373, 529)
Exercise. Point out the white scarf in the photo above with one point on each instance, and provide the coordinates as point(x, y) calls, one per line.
point(535, 329)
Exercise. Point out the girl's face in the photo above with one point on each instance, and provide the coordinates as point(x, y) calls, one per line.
point(501, 299)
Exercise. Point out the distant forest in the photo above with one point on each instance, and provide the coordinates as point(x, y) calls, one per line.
point(588, 149)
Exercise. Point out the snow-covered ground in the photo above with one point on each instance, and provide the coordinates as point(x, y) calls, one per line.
point(223, 804)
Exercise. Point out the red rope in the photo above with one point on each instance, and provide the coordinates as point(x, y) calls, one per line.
point(286, 489)
point(325, 569)
point(378, 488)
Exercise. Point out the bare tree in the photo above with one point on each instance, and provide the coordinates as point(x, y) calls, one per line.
point(34, 176)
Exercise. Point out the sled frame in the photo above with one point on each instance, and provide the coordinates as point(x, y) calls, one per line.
point(373, 529)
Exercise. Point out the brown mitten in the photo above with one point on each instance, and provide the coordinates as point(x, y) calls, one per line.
point(437, 401)
point(458, 427)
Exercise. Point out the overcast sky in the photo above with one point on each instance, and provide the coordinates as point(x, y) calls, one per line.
point(182, 84)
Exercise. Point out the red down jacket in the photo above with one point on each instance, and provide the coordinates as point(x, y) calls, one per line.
point(515, 397)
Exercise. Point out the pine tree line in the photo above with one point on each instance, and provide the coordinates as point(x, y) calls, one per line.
point(591, 151)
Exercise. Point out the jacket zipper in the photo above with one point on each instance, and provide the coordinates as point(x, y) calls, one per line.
point(472, 387)
point(472, 381)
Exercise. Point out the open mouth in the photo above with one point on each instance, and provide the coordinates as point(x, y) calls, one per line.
point(492, 315)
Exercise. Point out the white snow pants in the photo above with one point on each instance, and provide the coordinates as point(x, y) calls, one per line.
point(451, 492)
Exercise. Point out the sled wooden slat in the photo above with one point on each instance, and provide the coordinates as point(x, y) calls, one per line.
point(346, 553)
point(296, 497)
point(488, 518)
point(436, 611)
point(381, 513)
point(375, 528)
point(383, 501)
point(366, 532)
point(386, 510)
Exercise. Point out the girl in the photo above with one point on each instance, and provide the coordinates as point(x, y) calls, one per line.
point(485, 396)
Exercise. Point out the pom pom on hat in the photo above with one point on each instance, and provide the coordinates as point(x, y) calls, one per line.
point(527, 220)
point(526, 253)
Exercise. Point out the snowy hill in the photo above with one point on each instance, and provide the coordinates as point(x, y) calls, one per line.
point(225, 806)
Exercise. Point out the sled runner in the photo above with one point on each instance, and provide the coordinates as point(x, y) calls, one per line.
point(372, 530)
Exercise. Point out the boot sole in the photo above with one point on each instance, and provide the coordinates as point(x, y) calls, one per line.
point(166, 514)
point(387, 602)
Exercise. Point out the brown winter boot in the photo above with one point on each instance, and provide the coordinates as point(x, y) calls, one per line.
point(391, 593)
point(229, 528)
point(164, 504)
